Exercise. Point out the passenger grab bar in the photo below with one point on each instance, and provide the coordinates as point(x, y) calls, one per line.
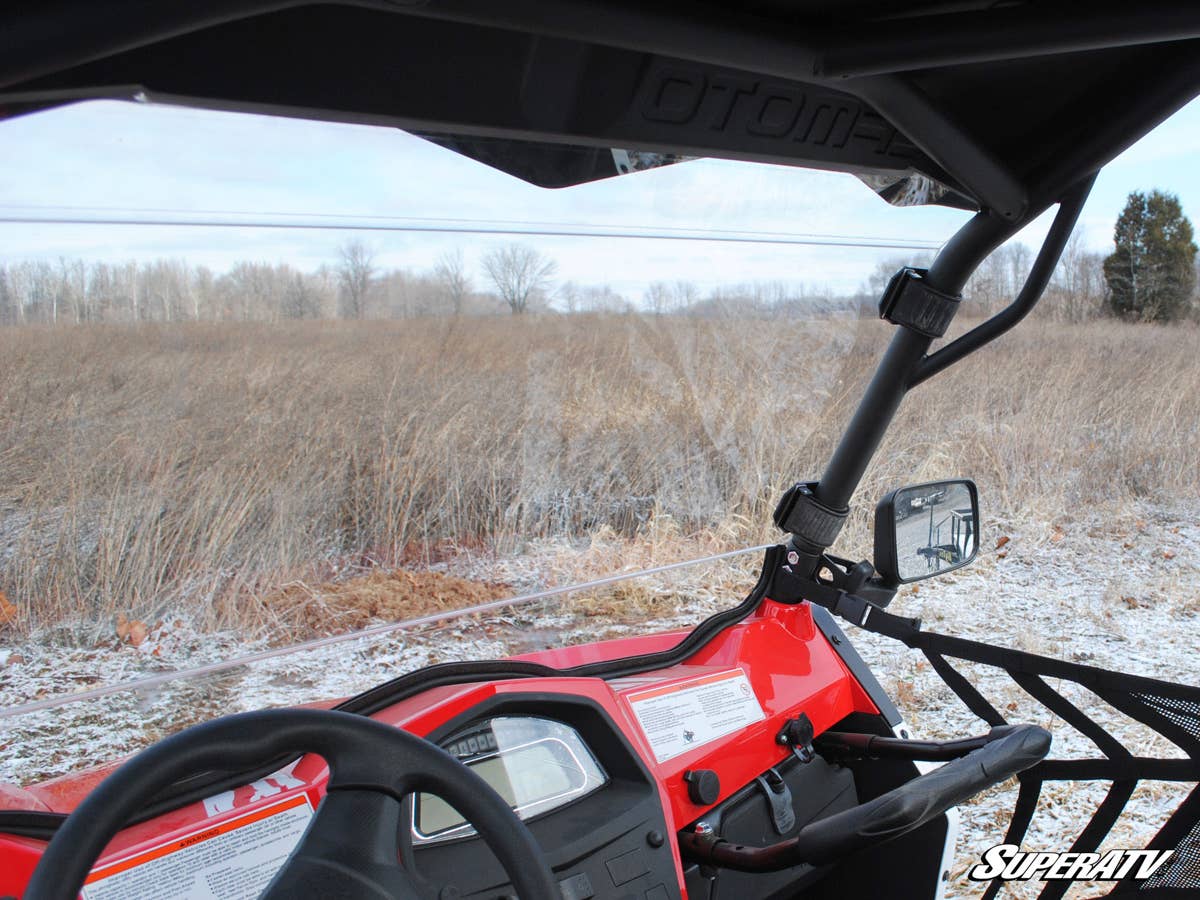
point(840, 746)
point(891, 815)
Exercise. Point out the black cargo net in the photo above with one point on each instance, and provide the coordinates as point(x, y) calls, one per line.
point(1170, 710)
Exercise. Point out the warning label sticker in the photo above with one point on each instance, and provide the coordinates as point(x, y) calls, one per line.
point(232, 861)
point(681, 717)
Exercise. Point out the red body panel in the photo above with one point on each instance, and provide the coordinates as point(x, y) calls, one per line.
point(789, 663)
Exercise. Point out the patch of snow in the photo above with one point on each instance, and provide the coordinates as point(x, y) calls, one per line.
point(1119, 591)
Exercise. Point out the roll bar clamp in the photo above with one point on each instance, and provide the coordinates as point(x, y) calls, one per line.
point(910, 301)
point(806, 518)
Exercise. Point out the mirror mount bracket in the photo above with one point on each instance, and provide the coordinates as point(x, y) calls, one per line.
point(848, 590)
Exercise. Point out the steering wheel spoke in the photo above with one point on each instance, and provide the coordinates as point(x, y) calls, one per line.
point(352, 842)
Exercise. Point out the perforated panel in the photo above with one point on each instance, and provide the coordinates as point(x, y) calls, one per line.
point(1151, 702)
point(1182, 712)
point(1183, 869)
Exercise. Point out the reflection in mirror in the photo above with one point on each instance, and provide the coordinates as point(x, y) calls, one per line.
point(935, 529)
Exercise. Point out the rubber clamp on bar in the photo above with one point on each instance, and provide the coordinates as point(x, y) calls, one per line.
point(801, 514)
point(911, 302)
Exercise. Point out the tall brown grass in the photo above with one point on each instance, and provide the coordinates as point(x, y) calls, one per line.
point(153, 467)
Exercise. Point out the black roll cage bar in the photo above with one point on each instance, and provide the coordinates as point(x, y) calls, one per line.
point(907, 363)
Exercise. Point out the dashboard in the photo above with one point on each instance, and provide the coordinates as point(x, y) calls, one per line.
point(536, 764)
point(579, 761)
point(570, 773)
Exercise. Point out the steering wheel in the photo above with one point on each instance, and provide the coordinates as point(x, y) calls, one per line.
point(351, 848)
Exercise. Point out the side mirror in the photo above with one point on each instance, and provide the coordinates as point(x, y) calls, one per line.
point(926, 529)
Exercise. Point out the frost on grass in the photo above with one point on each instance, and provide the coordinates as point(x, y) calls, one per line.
point(1117, 592)
point(1114, 593)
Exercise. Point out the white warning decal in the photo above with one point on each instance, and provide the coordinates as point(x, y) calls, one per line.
point(233, 861)
point(680, 717)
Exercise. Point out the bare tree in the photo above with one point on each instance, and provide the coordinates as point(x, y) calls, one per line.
point(400, 294)
point(301, 299)
point(355, 272)
point(600, 298)
point(1076, 291)
point(569, 293)
point(452, 278)
point(658, 298)
point(1020, 260)
point(8, 300)
point(998, 279)
point(519, 273)
point(684, 295)
point(72, 288)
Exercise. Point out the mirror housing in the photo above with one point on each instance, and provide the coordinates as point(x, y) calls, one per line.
point(924, 530)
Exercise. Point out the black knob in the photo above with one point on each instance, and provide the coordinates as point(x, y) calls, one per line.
point(703, 786)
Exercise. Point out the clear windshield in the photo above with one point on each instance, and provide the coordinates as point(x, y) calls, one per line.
point(428, 387)
point(284, 460)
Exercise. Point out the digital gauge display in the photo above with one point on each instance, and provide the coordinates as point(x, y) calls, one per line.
point(535, 764)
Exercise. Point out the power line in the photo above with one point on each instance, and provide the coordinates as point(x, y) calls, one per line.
point(374, 631)
point(60, 215)
point(284, 215)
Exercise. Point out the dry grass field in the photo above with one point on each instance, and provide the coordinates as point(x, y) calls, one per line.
point(205, 467)
point(252, 485)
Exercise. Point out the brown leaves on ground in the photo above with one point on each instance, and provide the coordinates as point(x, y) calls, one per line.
point(301, 610)
point(131, 631)
point(630, 603)
point(1002, 540)
point(8, 611)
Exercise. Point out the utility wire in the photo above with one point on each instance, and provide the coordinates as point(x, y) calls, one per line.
point(152, 681)
point(176, 211)
point(109, 216)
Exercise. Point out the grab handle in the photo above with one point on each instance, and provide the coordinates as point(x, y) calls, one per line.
point(891, 815)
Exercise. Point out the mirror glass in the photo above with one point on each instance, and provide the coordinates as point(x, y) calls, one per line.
point(935, 528)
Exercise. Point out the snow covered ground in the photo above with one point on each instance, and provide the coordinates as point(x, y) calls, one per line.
point(1118, 591)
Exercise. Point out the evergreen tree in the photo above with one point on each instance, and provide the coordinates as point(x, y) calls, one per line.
point(1152, 274)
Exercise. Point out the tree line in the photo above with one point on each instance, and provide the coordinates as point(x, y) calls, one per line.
point(517, 278)
point(1150, 276)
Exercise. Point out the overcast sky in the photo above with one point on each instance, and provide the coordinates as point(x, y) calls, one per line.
point(119, 155)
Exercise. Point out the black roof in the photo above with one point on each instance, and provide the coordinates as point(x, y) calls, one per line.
point(988, 105)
